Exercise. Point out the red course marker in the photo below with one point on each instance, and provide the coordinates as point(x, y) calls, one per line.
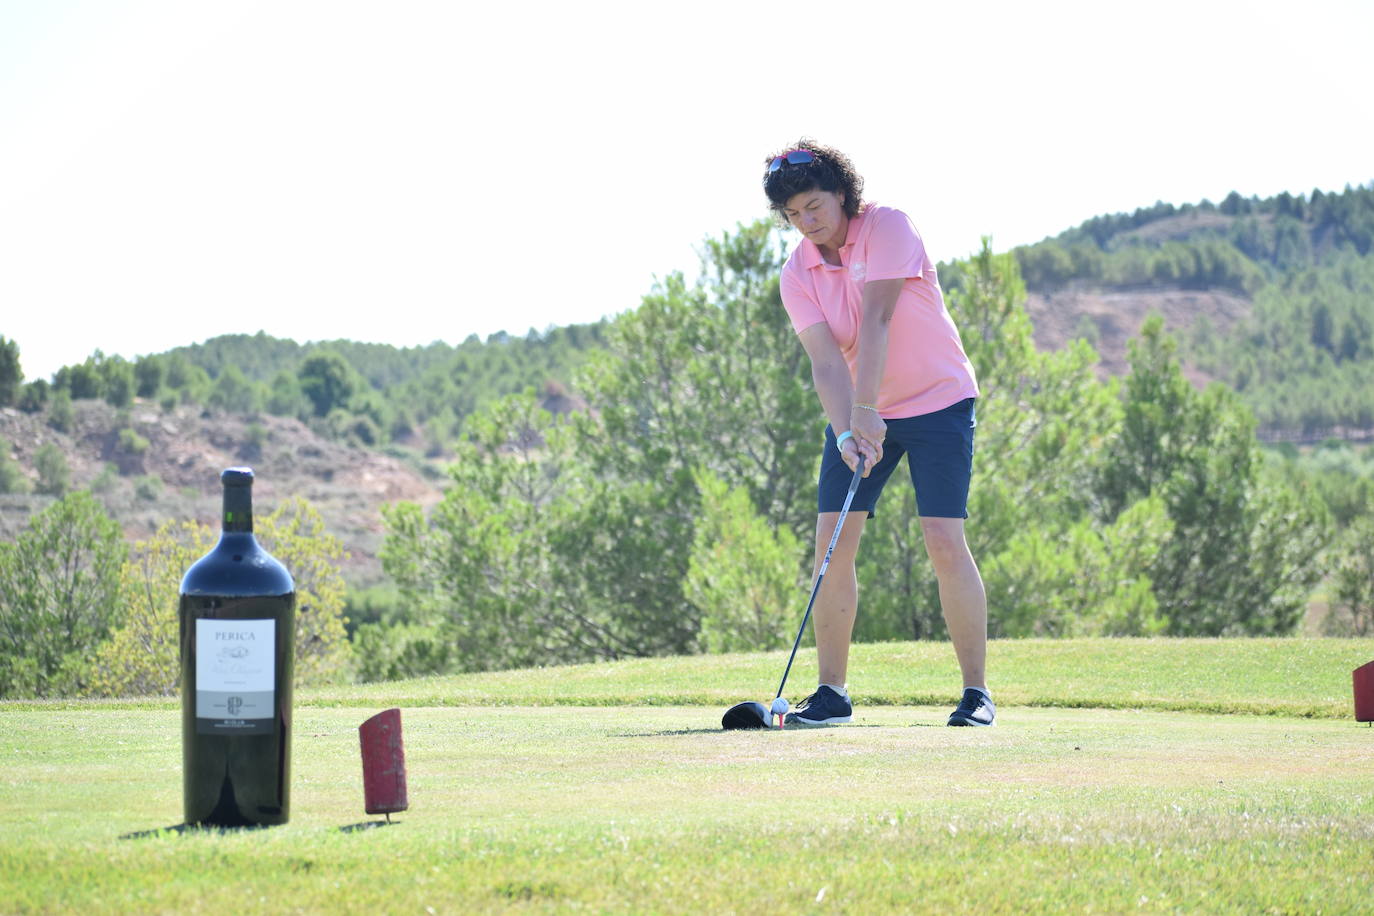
point(384, 764)
point(1363, 677)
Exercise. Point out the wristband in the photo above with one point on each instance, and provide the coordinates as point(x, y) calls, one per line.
point(839, 440)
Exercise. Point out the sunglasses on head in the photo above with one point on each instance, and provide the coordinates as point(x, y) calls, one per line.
point(791, 157)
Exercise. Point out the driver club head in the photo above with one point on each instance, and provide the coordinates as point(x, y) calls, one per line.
point(745, 715)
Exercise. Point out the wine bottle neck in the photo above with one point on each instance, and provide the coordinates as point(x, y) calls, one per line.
point(238, 510)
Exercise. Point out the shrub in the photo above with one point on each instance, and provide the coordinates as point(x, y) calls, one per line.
point(12, 479)
point(149, 372)
point(54, 477)
point(389, 653)
point(1352, 605)
point(106, 480)
point(742, 574)
point(33, 397)
point(59, 582)
point(11, 375)
point(131, 443)
point(141, 656)
point(148, 488)
point(118, 381)
point(61, 415)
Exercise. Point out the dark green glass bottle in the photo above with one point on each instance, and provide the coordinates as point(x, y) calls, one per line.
point(238, 625)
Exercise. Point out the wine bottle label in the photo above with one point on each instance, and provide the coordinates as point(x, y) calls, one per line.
point(235, 676)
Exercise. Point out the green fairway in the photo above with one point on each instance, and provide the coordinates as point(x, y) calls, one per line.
point(635, 807)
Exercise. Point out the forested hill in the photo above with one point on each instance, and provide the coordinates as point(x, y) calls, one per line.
point(1239, 244)
point(498, 360)
point(1274, 297)
point(369, 394)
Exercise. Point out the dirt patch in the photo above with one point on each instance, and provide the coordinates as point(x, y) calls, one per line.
point(1110, 318)
point(1179, 227)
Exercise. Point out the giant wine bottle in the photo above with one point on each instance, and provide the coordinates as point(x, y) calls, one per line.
point(238, 626)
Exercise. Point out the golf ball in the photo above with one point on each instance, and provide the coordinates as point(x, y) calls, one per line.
point(780, 707)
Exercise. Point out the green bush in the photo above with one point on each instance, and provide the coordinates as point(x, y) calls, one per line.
point(12, 479)
point(376, 604)
point(131, 443)
point(149, 371)
point(234, 393)
point(148, 488)
point(54, 477)
point(328, 381)
point(384, 652)
point(106, 480)
point(118, 381)
point(61, 415)
point(359, 429)
point(59, 582)
point(742, 575)
point(1352, 601)
point(285, 397)
point(33, 397)
point(141, 655)
point(11, 374)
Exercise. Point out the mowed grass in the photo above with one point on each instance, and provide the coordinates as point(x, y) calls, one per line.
point(1286, 677)
point(1258, 799)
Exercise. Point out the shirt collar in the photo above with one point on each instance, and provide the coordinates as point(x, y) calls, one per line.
point(811, 254)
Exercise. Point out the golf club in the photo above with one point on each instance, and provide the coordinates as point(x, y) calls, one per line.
point(755, 715)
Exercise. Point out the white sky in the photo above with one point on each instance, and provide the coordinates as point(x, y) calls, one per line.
point(405, 172)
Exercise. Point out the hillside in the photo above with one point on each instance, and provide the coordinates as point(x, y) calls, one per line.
point(176, 475)
point(1109, 318)
point(1273, 297)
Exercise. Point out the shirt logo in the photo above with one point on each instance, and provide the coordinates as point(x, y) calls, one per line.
point(857, 270)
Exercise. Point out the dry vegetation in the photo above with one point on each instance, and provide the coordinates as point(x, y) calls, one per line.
point(176, 474)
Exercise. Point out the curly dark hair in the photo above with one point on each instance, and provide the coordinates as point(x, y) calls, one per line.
point(831, 170)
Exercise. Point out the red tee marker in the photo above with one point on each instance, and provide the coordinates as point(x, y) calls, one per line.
point(1364, 693)
point(384, 764)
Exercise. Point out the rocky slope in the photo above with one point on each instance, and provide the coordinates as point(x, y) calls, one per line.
point(176, 474)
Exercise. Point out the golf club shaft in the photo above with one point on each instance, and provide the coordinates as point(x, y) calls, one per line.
point(825, 564)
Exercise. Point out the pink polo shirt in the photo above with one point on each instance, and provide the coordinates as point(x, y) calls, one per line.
point(926, 369)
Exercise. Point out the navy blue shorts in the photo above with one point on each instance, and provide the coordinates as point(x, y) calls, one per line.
point(940, 446)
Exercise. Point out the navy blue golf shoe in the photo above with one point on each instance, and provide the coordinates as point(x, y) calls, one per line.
point(974, 709)
point(824, 707)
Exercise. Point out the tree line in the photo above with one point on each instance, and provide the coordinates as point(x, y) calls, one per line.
point(670, 512)
point(371, 394)
point(673, 514)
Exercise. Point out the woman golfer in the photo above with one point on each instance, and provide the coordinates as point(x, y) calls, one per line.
point(893, 380)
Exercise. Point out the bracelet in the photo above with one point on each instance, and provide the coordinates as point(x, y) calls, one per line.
point(866, 407)
point(839, 440)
